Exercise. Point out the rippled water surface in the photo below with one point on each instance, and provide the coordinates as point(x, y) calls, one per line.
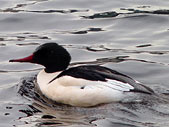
point(130, 36)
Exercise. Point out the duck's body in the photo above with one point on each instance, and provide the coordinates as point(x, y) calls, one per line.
point(83, 85)
point(87, 86)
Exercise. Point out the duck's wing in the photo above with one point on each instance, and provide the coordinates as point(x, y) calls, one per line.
point(110, 78)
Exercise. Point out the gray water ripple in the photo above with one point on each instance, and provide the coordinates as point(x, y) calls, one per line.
point(60, 11)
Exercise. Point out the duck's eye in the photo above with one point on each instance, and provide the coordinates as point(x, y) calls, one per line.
point(51, 51)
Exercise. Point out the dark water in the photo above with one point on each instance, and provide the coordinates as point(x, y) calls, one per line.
point(128, 36)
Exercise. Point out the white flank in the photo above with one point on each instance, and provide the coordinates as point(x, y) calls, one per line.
point(80, 92)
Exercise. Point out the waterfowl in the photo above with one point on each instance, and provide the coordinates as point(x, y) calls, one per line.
point(83, 86)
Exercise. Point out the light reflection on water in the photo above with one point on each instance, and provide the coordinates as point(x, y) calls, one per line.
point(130, 37)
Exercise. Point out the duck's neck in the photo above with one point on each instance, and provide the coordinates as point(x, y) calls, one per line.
point(44, 78)
point(55, 68)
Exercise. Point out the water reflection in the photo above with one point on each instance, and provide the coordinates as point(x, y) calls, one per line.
point(102, 15)
point(161, 11)
point(60, 11)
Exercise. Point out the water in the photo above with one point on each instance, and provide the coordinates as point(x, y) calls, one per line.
point(128, 36)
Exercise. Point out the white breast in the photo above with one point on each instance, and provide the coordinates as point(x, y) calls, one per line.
point(80, 92)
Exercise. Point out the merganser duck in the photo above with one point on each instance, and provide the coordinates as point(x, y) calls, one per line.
point(83, 86)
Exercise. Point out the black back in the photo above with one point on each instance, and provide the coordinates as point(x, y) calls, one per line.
point(100, 73)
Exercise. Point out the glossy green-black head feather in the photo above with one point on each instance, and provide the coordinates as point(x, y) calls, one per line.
point(53, 56)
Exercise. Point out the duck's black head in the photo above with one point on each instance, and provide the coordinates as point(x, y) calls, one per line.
point(51, 55)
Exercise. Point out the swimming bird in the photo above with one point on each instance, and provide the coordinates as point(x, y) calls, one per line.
point(85, 85)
